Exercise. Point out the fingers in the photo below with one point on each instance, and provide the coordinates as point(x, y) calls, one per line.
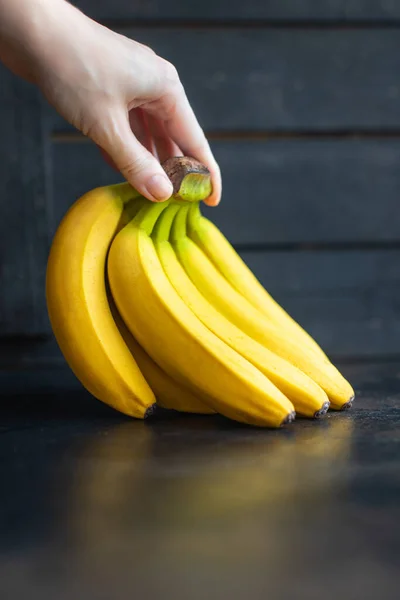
point(165, 147)
point(186, 131)
point(136, 163)
point(182, 126)
point(138, 121)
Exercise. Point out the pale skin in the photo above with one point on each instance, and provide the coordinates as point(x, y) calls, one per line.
point(118, 92)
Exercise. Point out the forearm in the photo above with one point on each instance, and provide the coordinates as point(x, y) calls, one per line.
point(100, 81)
point(26, 28)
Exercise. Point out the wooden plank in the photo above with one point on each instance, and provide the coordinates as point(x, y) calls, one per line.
point(348, 300)
point(221, 10)
point(277, 191)
point(283, 79)
point(24, 214)
point(309, 191)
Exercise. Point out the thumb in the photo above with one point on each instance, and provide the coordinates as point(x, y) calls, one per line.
point(139, 167)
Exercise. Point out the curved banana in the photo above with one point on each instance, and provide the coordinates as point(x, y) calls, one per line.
point(78, 307)
point(169, 393)
point(219, 292)
point(307, 397)
point(219, 250)
point(176, 339)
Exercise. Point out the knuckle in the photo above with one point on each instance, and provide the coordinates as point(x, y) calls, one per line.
point(135, 166)
point(170, 73)
point(145, 49)
point(91, 129)
point(95, 123)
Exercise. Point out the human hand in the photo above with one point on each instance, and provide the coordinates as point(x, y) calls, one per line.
point(118, 92)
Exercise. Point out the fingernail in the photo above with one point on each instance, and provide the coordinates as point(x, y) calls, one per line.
point(212, 201)
point(159, 187)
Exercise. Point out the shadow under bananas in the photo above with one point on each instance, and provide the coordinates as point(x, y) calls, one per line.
point(170, 497)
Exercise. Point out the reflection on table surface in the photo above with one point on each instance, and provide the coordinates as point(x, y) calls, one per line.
point(195, 507)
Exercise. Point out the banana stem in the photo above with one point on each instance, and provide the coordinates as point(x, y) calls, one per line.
point(178, 229)
point(191, 179)
point(147, 216)
point(131, 208)
point(124, 191)
point(163, 226)
point(194, 216)
point(191, 182)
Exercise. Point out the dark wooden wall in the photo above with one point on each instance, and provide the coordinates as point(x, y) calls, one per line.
point(301, 101)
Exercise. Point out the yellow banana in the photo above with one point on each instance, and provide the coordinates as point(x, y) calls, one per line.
point(307, 397)
point(78, 307)
point(219, 292)
point(177, 340)
point(219, 250)
point(169, 393)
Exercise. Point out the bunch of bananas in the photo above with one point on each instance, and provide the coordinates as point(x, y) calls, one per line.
point(150, 303)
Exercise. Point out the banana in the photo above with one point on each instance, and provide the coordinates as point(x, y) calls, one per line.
point(177, 340)
point(169, 393)
point(78, 307)
point(237, 309)
point(307, 397)
point(219, 250)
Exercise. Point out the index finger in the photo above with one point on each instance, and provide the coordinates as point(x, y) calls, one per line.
point(182, 126)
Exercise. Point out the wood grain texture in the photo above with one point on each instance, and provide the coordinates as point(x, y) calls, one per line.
point(325, 10)
point(24, 213)
point(278, 191)
point(283, 80)
point(309, 191)
point(349, 301)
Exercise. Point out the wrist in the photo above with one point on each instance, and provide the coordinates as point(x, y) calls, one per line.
point(28, 29)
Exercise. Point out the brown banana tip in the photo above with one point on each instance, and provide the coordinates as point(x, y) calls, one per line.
point(322, 411)
point(348, 404)
point(289, 419)
point(151, 411)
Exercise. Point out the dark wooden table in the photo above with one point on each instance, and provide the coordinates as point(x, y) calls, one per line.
point(95, 506)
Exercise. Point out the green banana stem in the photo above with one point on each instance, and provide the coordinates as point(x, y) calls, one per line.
point(124, 191)
point(131, 208)
point(194, 217)
point(147, 216)
point(191, 183)
point(195, 187)
point(178, 229)
point(163, 226)
point(191, 180)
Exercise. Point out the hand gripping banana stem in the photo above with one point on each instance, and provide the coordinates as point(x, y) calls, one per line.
point(78, 307)
point(307, 397)
point(177, 340)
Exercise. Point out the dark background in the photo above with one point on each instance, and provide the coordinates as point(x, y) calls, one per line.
point(301, 102)
point(300, 99)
